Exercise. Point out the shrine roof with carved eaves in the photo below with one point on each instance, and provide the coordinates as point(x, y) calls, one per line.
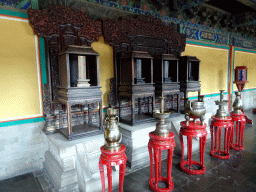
point(47, 22)
point(118, 31)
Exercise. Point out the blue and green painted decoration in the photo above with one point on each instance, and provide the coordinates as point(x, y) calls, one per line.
point(20, 4)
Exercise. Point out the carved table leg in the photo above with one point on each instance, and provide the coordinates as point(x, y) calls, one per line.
point(189, 139)
point(102, 175)
point(139, 106)
point(178, 102)
point(156, 158)
point(219, 128)
point(121, 176)
point(151, 162)
point(182, 148)
point(159, 160)
point(211, 129)
point(132, 110)
point(69, 119)
point(109, 170)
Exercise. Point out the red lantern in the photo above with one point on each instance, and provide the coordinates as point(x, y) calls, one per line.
point(240, 77)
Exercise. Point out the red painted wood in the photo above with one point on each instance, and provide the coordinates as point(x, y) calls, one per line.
point(110, 159)
point(194, 129)
point(156, 145)
point(239, 121)
point(229, 76)
point(216, 125)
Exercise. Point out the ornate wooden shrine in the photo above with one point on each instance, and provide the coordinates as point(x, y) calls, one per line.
point(166, 79)
point(136, 40)
point(68, 33)
point(189, 68)
point(136, 83)
point(76, 64)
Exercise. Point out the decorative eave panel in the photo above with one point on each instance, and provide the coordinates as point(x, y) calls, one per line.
point(202, 33)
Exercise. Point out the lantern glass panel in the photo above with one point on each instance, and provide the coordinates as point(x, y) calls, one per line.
point(240, 75)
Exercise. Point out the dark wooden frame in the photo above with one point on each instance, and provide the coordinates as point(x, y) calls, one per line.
point(70, 96)
point(167, 88)
point(187, 84)
point(140, 33)
point(62, 26)
point(131, 90)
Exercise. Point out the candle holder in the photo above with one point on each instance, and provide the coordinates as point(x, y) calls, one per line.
point(221, 112)
point(161, 126)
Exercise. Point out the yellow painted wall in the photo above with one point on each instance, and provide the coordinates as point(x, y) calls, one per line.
point(248, 60)
point(106, 66)
point(213, 67)
point(20, 95)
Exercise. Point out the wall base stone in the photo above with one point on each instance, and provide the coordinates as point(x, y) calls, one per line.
point(74, 165)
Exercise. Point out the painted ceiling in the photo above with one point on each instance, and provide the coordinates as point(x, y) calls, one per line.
point(237, 16)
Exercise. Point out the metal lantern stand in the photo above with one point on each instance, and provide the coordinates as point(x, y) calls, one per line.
point(238, 116)
point(193, 129)
point(156, 145)
point(239, 122)
point(215, 127)
point(112, 158)
point(240, 81)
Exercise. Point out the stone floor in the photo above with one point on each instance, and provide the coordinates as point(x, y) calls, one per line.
point(235, 174)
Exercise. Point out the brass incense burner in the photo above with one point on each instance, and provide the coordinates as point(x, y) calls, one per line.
point(112, 134)
point(238, 105)
point(195, 109)
point(161, 127)
point(221, 112)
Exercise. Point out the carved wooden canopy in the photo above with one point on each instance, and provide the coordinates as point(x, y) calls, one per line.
point(123, 31)
point(48, 22)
